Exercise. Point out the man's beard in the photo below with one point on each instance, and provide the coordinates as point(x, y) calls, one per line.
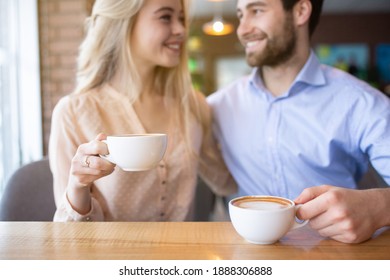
point(277, 50)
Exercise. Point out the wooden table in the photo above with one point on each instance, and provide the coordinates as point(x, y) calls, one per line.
point(170, 240)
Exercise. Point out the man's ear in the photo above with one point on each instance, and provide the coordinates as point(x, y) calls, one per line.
point(302, 11)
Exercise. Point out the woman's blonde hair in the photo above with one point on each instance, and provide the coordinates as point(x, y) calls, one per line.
point(107, 50)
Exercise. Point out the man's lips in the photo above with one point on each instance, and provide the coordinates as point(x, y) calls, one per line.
point(252, 42)
point(251, 45)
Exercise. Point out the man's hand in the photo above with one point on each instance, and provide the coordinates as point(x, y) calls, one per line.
point(346, 215)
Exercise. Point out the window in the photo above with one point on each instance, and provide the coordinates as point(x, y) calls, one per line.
point(229, 68)
point(20, 103)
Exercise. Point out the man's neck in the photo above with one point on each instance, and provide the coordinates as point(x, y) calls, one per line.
point(278, 79)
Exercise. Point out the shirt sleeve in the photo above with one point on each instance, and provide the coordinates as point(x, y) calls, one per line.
point(65, 212)
point(65, 137)
point(374, 130)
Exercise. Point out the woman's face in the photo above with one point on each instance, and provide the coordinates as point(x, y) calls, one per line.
point(158, 34)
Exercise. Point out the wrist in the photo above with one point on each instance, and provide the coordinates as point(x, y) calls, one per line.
point(387, 206)
point(79, 199)
point(381, 206)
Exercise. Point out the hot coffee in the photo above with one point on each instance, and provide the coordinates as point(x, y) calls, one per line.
point(262, 203)
point(263, 219)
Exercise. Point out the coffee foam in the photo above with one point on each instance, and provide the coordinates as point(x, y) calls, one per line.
point(262, 203)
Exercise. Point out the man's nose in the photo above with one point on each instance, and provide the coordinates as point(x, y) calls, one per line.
point(244, 27)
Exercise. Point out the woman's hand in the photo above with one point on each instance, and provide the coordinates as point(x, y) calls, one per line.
point(86, 167)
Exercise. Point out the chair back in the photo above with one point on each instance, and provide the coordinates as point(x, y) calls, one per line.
point(28, 195)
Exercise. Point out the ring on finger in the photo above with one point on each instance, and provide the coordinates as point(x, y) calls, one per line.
point(86, 162)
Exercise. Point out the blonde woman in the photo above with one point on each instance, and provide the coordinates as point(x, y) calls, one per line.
point(133, 78)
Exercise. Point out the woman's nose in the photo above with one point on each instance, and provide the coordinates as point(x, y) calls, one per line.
point(178, 28)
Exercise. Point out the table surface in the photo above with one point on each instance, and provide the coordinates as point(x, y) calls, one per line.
point(172, 240)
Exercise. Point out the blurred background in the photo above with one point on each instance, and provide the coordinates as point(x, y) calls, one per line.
point(39, 42)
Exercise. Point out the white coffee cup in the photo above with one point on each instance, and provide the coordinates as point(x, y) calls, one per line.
point(263, 219)
point(136, 152)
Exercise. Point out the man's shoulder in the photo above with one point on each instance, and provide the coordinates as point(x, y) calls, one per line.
point(338, 77)
point(345, 86)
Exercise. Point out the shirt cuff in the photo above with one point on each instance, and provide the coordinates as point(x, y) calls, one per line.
point(66, 213)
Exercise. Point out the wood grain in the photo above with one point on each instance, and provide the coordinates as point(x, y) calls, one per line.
point(169, 240)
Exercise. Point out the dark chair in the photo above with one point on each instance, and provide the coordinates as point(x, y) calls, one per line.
point(28, 195)
point(204, 202)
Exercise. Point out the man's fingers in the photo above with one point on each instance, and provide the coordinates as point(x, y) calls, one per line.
point(314, 201)
point(311, 193)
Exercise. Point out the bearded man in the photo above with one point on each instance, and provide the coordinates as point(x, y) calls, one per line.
point(302, 130)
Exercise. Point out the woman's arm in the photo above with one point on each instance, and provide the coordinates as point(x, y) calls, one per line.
point(72, 179)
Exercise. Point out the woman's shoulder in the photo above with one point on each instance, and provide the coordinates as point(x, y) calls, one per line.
point(200, 97)
point(202, 104)
point(78, 100)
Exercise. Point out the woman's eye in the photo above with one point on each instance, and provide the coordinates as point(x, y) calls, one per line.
point(166, 18)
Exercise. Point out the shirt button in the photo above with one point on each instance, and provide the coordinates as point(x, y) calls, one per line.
point(163, 182)
point(88, 219)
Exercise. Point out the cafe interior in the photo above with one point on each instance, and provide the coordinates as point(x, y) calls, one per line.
point(39, 41)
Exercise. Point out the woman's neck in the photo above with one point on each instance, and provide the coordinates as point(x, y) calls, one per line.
point(146, 81)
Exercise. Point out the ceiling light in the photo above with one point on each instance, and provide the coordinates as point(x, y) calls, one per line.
point(217, 27)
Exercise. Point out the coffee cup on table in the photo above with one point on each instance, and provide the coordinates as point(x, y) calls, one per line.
point(263, 219)
point(136, 152)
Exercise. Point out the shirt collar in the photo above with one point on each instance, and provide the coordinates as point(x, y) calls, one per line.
point(310, 74)
point(255, 78)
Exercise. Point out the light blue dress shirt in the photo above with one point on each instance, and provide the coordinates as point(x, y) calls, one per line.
point(324, 130)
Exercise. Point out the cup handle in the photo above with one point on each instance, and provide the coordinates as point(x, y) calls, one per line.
point(300, 223)
point(107, 157)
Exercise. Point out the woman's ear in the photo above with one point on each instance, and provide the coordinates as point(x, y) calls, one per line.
point(302, 11)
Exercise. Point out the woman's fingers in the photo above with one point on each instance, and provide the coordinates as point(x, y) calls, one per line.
point(87, 166)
